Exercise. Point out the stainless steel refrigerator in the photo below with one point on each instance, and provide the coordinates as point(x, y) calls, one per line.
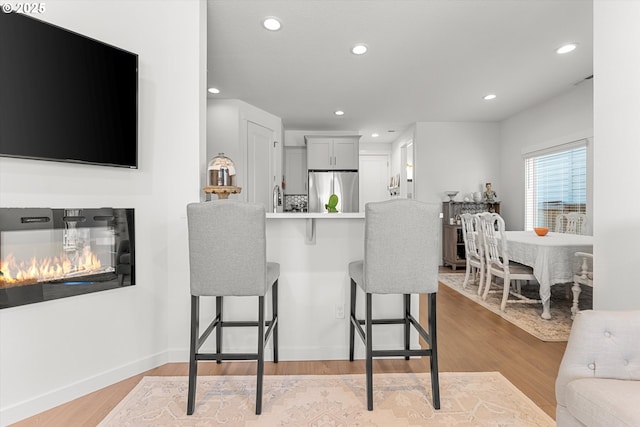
point(343, 184)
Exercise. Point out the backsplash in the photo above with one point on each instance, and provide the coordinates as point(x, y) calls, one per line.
point(295, 201)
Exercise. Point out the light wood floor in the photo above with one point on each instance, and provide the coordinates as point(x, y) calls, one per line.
point(470, 339)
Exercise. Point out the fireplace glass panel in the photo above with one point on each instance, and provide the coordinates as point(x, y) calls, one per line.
point(47, 254)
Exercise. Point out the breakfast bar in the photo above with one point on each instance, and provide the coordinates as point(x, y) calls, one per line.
point(314, 285)
point(311, 218)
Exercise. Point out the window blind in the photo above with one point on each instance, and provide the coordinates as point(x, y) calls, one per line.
point(556, 182)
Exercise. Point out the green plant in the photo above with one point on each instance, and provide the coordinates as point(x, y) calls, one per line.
point(333, 202)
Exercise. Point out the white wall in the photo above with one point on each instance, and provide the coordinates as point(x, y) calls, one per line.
point(565, 118)
point(617, 152)
point(54, 351)
point(455, 156)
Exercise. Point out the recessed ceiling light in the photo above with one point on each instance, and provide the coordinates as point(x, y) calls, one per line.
point(213, 90)
point(359, 49)
point(271, 23)
point(339, 113)
point(570, 47)
point(489, 97)
point(375, 135)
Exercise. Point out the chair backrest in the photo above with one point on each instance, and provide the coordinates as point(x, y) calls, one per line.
point(602, 344)
point(472, 235)
point(227, 248)
point(495, 241)
point(572, 223)
point(401, 252)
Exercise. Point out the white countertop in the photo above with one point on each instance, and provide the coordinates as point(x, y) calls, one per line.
point(314, 215)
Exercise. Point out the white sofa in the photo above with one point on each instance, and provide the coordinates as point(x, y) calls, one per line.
point(598, 382)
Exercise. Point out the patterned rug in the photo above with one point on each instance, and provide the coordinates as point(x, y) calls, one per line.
point(467, 399)
point(527, 316)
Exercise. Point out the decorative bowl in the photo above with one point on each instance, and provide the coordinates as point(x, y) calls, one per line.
point(541, 231)
point(451, 194)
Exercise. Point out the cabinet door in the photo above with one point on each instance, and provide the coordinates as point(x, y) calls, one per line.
point(345, 154)
point(295, 175)
point(319, 153)
point(453, 252)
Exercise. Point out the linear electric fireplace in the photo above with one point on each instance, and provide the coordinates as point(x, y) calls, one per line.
point(47, 254)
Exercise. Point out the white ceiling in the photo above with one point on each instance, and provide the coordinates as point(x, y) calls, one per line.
point(428, 60)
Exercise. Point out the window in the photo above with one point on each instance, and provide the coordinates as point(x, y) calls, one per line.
point(556, 182)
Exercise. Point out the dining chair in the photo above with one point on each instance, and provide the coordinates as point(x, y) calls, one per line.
point(583, 277)
point(572, 223)
point(474, 249)
point(227, 257)
point(401, 256)
point(498, 263)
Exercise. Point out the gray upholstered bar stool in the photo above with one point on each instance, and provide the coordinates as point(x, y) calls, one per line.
point(227, 257)
point(401, 256)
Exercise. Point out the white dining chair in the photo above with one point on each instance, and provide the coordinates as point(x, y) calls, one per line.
point(498, 264)
point(571, 223)
point(584, 277)
point(473, 249)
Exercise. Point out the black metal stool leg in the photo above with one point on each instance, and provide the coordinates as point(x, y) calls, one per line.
point(219, 327)
point(407, 324)
point(435, 382)
point(369, 351)
point(352, 318)
point(193, 363)
point(274, 310)
point(260, 355)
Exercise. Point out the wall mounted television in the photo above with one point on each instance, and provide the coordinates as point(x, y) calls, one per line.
point(66, 97)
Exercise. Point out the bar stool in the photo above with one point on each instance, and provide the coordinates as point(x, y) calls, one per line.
point(401, 256)
point(227, 257)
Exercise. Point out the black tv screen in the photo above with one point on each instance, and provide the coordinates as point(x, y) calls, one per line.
point(66, 97)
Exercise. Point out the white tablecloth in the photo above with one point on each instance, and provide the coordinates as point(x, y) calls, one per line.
point(551, 256)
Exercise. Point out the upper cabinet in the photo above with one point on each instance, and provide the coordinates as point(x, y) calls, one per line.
point(332, 152)
point(295, 170)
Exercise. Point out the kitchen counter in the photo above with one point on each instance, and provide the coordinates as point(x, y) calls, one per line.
point(314, 215)
point(311, 218)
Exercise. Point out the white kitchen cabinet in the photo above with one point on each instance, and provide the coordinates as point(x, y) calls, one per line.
point(295, 170)
point(332, 152)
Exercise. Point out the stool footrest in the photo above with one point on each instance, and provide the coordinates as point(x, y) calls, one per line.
point(227, 356)
point(384, 322)
point(393, 353)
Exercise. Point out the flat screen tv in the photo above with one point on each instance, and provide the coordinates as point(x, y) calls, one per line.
point(66, 97)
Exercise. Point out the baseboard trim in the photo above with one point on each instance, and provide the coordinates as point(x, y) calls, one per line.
point(27, 408)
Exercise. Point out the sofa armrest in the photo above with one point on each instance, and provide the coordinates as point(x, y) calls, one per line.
point(602, 344)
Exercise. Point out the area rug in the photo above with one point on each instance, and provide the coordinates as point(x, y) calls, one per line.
point(467, 399)
point(526, 316)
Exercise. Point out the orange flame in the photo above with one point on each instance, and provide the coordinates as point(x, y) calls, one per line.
point(17, 273)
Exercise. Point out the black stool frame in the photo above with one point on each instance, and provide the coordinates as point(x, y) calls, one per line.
point(218, 324)
point(408, 320)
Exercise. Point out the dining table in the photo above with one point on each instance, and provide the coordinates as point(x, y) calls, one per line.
point(552, 258)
